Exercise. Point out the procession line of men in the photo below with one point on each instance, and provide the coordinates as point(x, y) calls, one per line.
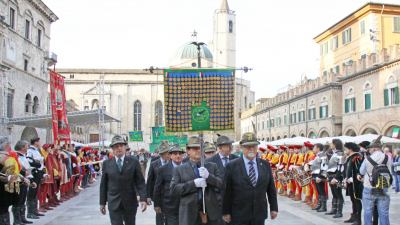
point(33, 176)
point(310, 169)
point(224, 189)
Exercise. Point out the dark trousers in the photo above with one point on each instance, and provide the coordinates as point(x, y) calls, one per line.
point(251, 222)
point(336, 192)
point(23, 192)
point(32, 194)
point(171, 219)
point(321, 189)
point(122, 216)
point(160, 219)
point(356, 206)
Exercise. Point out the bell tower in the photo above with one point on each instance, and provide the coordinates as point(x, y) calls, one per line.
point(224, 39)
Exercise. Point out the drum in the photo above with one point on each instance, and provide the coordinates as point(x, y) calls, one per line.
point(302, 177)
point(283, 177)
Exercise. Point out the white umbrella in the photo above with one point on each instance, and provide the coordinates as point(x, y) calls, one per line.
point(290, 141)
point(372, 137)
point(325, 140)
point(98, 144)
point(77, 144)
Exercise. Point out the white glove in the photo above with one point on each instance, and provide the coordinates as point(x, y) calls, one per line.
point(350, 180)
point(200, 182)
point(203, 172)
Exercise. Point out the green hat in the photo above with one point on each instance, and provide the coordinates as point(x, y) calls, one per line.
point(193, 142)
point(376, 143)
point(209, 147)
point(117, 139)
point(175, 148)
point(163, 149)
point(224, 140)
point(249, 138)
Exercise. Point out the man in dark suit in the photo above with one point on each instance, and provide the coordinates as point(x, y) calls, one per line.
point(152, 176)
point(248, 181)
point(187, 183)
point(121, 179)
point(164, 202)
point(224, 155)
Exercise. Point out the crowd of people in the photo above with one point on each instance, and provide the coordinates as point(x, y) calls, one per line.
point(36, 178)
point(185, 188)
point(364, 171)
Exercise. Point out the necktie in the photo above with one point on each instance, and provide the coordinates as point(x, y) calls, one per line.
point(252, 174)
point(225, 160)
point(119, 164)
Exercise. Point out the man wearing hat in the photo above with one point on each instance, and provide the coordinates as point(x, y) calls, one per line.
point(248, 183)
point(187, 183)
point(282, 163)
point(152, 176)
point(120, 181)
point(311, 198)
point(371, 198)
point(164, 202)
point(209, 150)
point(36, 160)
point(224, 155)
point(222, 159)
point(354, 187)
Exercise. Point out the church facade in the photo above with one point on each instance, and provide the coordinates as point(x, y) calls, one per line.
point(136, 96)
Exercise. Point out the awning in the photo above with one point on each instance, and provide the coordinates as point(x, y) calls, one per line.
point(74, 118)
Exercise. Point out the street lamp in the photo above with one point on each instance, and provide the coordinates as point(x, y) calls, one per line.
point(198, 44)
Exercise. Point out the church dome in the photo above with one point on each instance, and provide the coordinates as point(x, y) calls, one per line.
point(186, 56)
point(189, 51)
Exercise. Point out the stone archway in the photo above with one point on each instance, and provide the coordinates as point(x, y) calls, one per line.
point(272, 139)
point(324, 134)
point(351, 133)
point(29, 133)
point(390, 130)
point(293, 136)
point(278, 138)
point(285, 136)
point(369, 131)
point(312, 135)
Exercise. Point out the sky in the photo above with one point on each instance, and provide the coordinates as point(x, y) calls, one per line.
point(274, 38)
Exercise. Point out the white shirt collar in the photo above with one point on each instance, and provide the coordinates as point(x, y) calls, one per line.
point(174, 164)
point(222, 156)
point(122, 158)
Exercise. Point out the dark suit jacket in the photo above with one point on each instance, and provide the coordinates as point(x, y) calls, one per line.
point(151, 177)
point(162, 196)
point(243, 201)
point(217, 160)
point(121, 188)
point(183, 187)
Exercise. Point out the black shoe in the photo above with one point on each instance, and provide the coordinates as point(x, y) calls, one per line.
point(334, 208)
point(23, 218)
point(38, 214)
point(323, 206)
point(339, 210)
point(319, 205)
point(32, 216)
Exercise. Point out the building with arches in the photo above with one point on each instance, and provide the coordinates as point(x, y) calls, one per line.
point(357, 90)
point(24, 78)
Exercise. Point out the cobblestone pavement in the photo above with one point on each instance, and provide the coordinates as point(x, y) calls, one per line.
point(84, 210)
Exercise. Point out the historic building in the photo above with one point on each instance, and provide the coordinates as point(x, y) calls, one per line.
point(136, 96)
point(357, 91)
point(24, 59)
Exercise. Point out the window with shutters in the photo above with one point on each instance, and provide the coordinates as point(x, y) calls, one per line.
point(323, 112)
point(285, 122)
point(311, 114)
point(10, 105)
point(334, 43)
point(367, 101)
point(27, 29)
point(362, 27)
point(396, 24)
point(12, 18)
point(346, 36)
point(391, 92)
point(350, 105)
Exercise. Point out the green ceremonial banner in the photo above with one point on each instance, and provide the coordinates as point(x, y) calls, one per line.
point(136, 136)
point(199, 99)
point(158, 135)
